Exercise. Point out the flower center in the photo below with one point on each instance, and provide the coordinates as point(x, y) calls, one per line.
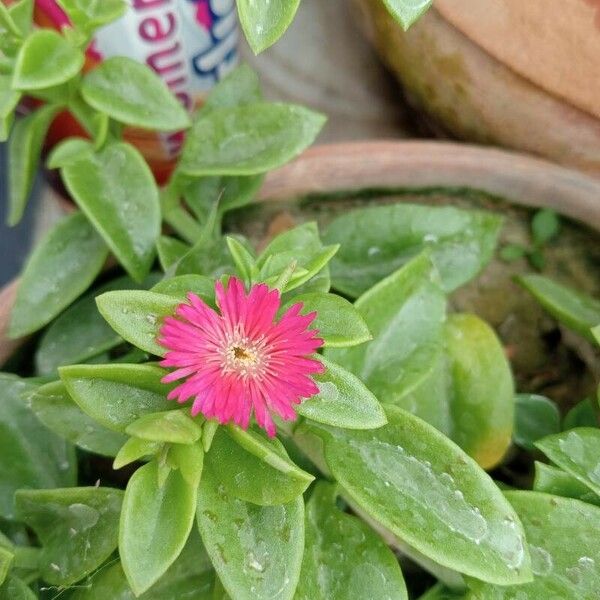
point(243, 354)
point(244, 357)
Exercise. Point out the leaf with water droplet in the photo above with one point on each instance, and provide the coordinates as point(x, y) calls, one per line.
point(405, 314)
point(577, 451)
point(77, 527)
point(343, 401)
point(80, 332)
point(118, 394)
point(174, 426)
point(256, 550)
point(61, 267)
point(32, 455)
point(127, 312)
point(191, 576)
point(344, 557)
point(252, 478)
point(414, 481)
point(155, 524)
point(552, 480)
point(564, 540)
point(133, 94)
point(248, 140)
point(339, 323)
point(127, 216)
point(54, 407)
point(376, 241)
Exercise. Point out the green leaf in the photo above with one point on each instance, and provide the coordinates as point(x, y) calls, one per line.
point(54, 407)
point(596, 333)
point(544, 226)
point(406, 12)
point(247, 140)
point(170, 250)
point(9, 99)
point(155, 525)
point(80, 332)
point(189, 459)
point(131, 93)
point(245, 262)
point(431, 400)
point(16, 589)
point(265, 21)
point(268, 450)
point(512, 252)
point(425, 490)
point(6, 560)
point(439, 592)
point(256, 550)
point(135, 449)
point(339, 323)
point(576, 451)
point(180, 286)
point(551, 480)
point(77, 527)
point(117, 395)
point(61, 267)
point(535, 418)
point(239, 87)
point(24, 149)
point(32, 456)
point(7, 22)
point(126, 216)
point(207, 257)
point(583, 414)
point(343, 401)
point(344, 558)
point(301, 244)
point(88, 15)
point(376, 241)
point(482, 389)
point(46, 59)
point(573, 309)
point(171, 426)
point(190, 576)
point(21, 12)
point(253, 479)
point(564, 543)
point(228, 193)
point(68, 151)
point(137, 316)
point(407, 306)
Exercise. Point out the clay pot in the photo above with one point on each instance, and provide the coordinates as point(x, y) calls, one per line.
point(518, 74)
point(388, 165)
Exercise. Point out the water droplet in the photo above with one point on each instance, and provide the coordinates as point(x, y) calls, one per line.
point(86, 516)
point(255, 564)
point(541, 561)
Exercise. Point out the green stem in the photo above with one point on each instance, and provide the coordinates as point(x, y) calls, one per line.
point(183, 224)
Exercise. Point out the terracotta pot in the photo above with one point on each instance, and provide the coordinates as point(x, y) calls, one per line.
point(389, 165)
point(518, 74)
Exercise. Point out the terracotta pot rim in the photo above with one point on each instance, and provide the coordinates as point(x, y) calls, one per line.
point(355, 166)
point(379, 164)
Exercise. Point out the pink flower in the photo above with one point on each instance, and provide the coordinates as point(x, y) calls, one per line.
point(243, 359)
